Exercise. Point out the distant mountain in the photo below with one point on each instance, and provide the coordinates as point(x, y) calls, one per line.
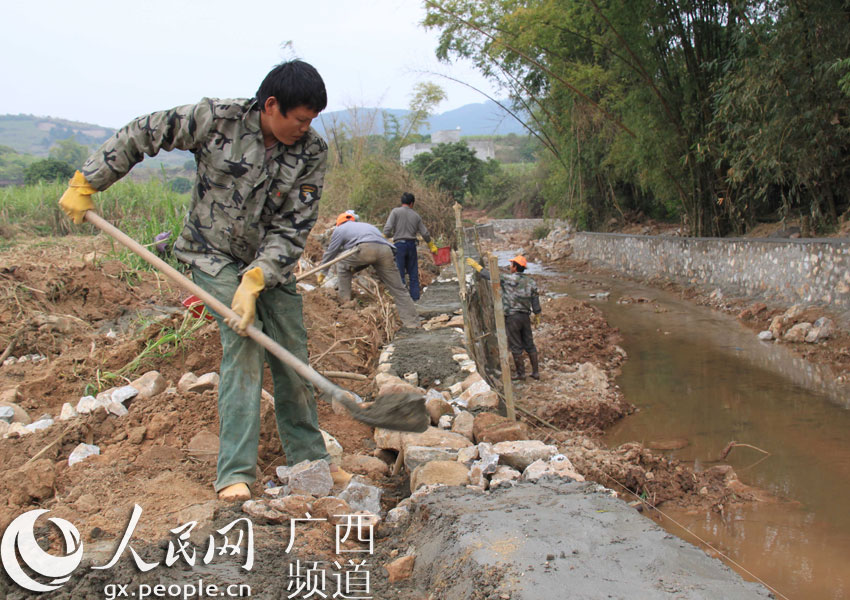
point(32, 135)
point(29, 134)
point(484, 118)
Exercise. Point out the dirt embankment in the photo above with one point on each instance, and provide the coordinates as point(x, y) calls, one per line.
point(97, 324)
point(93, 319)
point(577, 398)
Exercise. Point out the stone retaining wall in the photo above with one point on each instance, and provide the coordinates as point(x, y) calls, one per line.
point(520, 225)
point(812, 271)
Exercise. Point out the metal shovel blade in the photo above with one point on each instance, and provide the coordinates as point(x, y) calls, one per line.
point(399, 412)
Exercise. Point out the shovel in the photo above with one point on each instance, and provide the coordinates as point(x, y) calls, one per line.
point(400, 412)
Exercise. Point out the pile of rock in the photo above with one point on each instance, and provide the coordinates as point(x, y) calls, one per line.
point(14, 421)
point(34, 358)
point(444, 320)
point(483, 466)
point(495, 452)
point(786, 327)
point(306, 488)
point(556, 245)
point(467, 443)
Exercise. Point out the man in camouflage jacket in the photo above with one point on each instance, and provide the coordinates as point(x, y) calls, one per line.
point(260, 170)
point(519, 299)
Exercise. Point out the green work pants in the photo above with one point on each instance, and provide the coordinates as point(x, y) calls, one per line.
point(279, 315)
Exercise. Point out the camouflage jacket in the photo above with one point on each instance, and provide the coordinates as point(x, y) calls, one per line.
point(519, 294)
point(245, 209)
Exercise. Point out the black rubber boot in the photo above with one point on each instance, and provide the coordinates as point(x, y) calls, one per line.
point(519, 363)
point(535, 369)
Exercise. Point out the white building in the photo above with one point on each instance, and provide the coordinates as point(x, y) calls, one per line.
point(483, 149)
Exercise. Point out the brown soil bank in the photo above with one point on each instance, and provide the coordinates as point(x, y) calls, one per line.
point(576, 399)
point(146, 456)
point(90, 319)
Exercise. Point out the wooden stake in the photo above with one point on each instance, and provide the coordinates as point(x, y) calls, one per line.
point(499, 314)
point(41, 452)
point(460, 268)
point(460, 264)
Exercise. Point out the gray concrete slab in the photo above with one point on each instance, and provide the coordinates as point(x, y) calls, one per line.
point(439, 298)
point(558, 539)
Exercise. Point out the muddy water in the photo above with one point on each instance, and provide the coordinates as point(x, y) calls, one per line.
point(698, 375)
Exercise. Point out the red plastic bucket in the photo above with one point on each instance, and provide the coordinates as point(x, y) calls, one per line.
point(196, 307)
point(443, 256)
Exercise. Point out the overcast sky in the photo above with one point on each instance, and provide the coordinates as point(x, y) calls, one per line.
point(106, 62)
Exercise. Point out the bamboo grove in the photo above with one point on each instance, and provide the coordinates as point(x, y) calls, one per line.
point(720, 114)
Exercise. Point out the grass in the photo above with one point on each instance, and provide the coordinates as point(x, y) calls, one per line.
point(141, 210)
point(170, 339)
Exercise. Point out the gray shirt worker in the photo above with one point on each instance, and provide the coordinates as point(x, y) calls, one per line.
point(404, 223)
point(351, 235)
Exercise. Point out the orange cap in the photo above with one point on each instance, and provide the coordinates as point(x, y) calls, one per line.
point(342, 218)
point(520, 260)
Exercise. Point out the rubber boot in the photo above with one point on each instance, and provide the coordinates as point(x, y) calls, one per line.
point(519, 363)
point(535, 369)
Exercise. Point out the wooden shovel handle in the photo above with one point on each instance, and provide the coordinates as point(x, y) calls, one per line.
point(305, 371)
point(345, 254)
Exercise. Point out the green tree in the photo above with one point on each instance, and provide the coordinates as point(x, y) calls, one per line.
point(181, 185)
point(645, 104)
point(13, 165)
point(425, 99)
point(452, 167)
point(70, 152)
point(48, 169)
point(782, 124)
point(511, 190)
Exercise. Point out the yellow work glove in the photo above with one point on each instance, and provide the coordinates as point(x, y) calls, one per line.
point(432, 247)
point(320, 278)
point(471, 262)
point(77, 198)
point(245, 299)
point(535, 319)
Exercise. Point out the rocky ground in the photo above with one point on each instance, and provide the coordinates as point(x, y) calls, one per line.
point(88, 323)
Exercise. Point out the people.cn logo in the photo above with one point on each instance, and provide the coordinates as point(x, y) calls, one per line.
point(19, 543)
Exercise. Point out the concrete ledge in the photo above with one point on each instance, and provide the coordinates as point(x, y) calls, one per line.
point(558, 540)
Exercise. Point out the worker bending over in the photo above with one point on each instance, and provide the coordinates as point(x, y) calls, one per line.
point(520, 299)
point(374, 251)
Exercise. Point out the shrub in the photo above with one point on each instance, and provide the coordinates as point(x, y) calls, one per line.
point(48, 169)
point(180, 185)
point(540, 232)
